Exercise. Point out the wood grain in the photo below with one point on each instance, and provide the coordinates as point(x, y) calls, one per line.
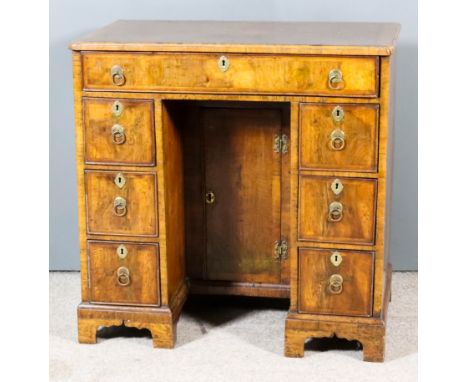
point(235, 122)
point(174, 201)
point(244, 36)
point(244, 172)
point(315, 270)
point(81, 200)
point(161, 321)
point(360, 128)
point(358, 201)
point(137, 120)
point(246, 73)
point(370, 335)
point(140, 192)
point(142, 262)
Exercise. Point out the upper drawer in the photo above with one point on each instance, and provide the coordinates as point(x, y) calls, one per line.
point(233, 73)
point(340, 137)
point(119, 131)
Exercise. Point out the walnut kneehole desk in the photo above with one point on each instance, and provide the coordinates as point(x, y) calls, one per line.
point(236, 158)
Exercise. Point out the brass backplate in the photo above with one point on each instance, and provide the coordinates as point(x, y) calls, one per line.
point(337, 114)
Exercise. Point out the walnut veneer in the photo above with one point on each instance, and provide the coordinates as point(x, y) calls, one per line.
point(236, 158)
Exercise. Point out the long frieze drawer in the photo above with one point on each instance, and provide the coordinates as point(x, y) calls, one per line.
point(123, 273)
point(335, 282)
point(339, 137)
point(119, 131)
point(121, 203)
point(195, 72)
point(337, 210)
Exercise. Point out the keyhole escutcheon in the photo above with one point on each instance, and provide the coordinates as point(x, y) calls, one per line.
point(210, 197)
point(122, 251)
point(223, 63)
point(337, 114)
point(117, 108)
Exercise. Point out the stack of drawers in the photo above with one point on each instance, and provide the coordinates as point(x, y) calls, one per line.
point(338, 210)
point(119, 217)
point(341, 275)
point(121, 203)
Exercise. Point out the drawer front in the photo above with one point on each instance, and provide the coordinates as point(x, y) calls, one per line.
point(193, 72)
point(121, 203)
point(337, 210)
point(119, 131)
point(339, 137)
point(123, 273)
point(335, 282)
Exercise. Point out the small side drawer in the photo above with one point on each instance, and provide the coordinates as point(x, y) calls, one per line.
point(119, 132)
point(124, 273)
point(339, 137)
point(337, 210)
point(335, 282)
point(121, 203)
point(232, 73)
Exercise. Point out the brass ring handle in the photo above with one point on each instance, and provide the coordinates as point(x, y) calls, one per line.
point(118, 77)
point(120, 206)
point(335, 284)
point(335, 212)
point(337, 140)
point(118, 134)
point(123, 276)
point(335, 79)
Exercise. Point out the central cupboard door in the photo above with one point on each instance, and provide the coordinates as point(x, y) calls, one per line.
point(242, 194)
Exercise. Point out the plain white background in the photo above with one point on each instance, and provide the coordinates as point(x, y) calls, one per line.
point(24, 163)
point(72, 18)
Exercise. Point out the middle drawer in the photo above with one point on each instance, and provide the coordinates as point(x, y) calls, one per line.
point(337, 210)
point(121, 203)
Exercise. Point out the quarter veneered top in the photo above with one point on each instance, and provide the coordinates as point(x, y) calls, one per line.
point(241, 36)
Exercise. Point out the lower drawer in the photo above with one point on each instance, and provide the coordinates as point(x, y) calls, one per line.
point(335, 282)
point(123, 273)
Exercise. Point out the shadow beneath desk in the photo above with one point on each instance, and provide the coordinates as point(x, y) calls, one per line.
point(122, 331)
point(323, 344)
point(203, 313)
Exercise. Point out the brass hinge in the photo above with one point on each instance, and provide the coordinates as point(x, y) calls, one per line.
point(281, 144)
point(281, 250)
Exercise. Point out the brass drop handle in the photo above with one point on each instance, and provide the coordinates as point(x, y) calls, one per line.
point(210, 197)
point(335, 284)
point(337, 140)
point(118, 77)
point(123, 276)
point(335, 212)
point(118, 134)
point(335, 79)
point(120, 206)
